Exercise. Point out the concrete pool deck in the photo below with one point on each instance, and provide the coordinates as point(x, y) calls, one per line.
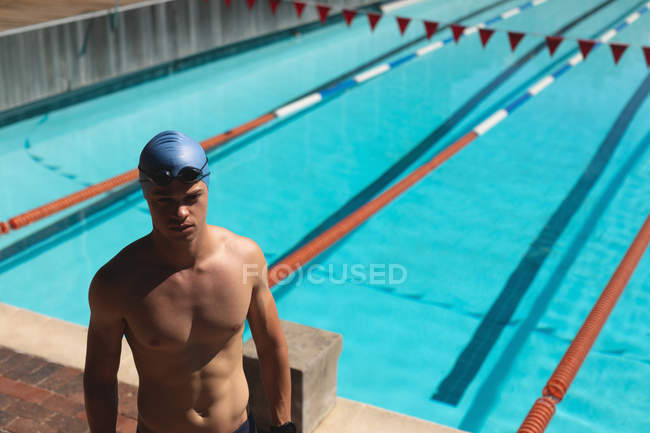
point(18, 14)
point(41, 362)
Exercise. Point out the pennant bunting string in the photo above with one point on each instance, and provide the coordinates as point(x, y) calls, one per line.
point(458, 30)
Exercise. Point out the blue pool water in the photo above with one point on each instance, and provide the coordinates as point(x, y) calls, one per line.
point(460, 233)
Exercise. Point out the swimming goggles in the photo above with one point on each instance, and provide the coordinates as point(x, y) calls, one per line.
point(186, 175)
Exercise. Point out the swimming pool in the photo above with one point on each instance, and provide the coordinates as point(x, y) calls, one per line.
point(460, 233)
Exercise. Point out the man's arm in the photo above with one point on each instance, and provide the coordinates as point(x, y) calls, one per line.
point(270, 343)
point(103, 350)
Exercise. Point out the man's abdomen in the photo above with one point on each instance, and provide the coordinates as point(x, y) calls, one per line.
point(206, 401)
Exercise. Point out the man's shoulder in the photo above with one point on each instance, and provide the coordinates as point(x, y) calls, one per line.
point(121, 265)
point(244, 247)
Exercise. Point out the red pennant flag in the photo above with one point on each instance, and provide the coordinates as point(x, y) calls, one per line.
point(585, 46)
point(457, 30)
point(430, 27)
point(485, 35)
point(617, 51)
point(646, 52)
point(299, 6)
point(552, 42)
point(349, 15)
point(515, 38)
point(403, 24)
point(228, 2)
point(373, 19)
point(250, 4)
point(323, 11)
point(274, 5)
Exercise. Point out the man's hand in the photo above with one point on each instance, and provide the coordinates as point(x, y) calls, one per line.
point(287, 427)
point(102, 355)
point(269, 341)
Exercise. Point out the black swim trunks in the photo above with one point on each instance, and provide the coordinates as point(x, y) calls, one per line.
point(247, 427)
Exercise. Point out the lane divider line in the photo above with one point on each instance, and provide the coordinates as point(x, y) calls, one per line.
point(541, 85)
point(299, 105)
point(392, 6)
point(510, 13)
point(557, 386)
point(304, 255)
point(371, 73)
point(490, 122)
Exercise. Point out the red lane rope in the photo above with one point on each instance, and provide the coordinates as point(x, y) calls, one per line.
point(542, 411)
point(302, 256)
point(130, 176)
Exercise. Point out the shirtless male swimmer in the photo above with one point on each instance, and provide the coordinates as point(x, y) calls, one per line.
point(180, 296)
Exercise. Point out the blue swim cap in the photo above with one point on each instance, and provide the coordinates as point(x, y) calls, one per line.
point(173, 151)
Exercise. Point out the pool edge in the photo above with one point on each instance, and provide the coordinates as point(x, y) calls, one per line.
point(64, 343)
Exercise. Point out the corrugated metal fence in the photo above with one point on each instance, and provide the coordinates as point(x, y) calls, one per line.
point(49, 59)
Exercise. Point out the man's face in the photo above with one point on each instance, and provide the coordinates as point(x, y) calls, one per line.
point(178, 210)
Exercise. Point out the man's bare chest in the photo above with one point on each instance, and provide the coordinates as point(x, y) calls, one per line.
point(187, 309)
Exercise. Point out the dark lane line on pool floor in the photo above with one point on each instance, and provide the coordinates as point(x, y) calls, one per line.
point(486, 395)
point(432, 139)
point(453, 386)
point(122, 191)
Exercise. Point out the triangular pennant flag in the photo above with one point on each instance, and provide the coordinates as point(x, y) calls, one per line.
point(373, 19)
point(403, 24)
point(430, 27)
point(250, 4)
point(349, 16)
point(552, 42)
point(457, 31)
point(617, 51)
point(322, 12)
point(585, 46)
point(274, 5)
point(485, 35)
point(228, 2)
point(299, 6)
point(515, 38)
point(646, 52)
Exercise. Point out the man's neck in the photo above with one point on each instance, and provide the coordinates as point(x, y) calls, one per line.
point(182, 253)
